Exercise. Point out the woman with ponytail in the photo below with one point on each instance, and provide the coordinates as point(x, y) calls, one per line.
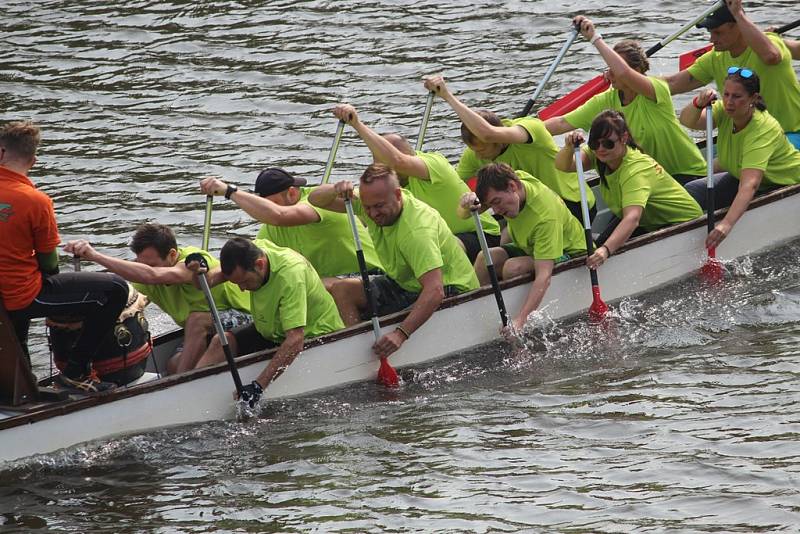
point(638, 191)
point(753, 154)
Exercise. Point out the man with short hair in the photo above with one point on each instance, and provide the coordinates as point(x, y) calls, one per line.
point(541, 228)
point(159, 272)
point(523, 143)
point(288, 300)
point(30, 285)
point(429, 177)
point(281, 203)
point(422, 258)
point(739, 43)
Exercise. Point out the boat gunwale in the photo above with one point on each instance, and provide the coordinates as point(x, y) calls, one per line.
point(49, 410)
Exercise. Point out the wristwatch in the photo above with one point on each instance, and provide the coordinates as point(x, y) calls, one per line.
point(231, 190)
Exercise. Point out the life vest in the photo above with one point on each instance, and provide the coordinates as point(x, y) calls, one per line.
point(122, 355)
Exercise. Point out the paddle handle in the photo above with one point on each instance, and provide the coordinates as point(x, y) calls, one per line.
point(498, 294)
point(362, 266)
point(587, 223)
point(207, 222)
point(710, 204)
point(550, 70)
point(223, 339)
point(666, 40)
point(76, 263)
point(332, 155)
point(426, 115)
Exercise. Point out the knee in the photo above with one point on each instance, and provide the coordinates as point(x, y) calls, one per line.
point(513, 269)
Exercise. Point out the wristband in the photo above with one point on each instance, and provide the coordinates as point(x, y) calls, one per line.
point(402, 331)
point(608, 250)
point(230, 190)
point(596, 36)
point(696, 103)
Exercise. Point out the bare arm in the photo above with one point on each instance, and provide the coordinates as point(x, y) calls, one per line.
point(695, 117)
point(755, 38)
point(630, 221)
point(131, 270)
point(634, 79)
point(682, 82)
point(749, 181)
point(383, 150)
point(284, 356)
point(565, 158)
point(476, 124)
point(544, 273)
point(558, 125)
point(428, 301)
point(326, 197)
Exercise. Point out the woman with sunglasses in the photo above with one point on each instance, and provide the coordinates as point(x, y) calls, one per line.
point(646, 102)
point(638, 191)
point(753, 154)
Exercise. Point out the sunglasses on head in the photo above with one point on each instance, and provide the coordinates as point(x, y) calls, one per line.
point(744, 73)
point(607, 143)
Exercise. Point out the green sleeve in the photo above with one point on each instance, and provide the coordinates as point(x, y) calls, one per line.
point(548, 241)
point(703, 68)
point(48, 262)
point(468, 165)
point(422, 252)
point(584, 115)
point(293, 305)
point(434, 162)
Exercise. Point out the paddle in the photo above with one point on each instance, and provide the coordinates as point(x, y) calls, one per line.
point(426, 115)
point(207, 222)
point(332, 156)
point(498, 295)
point(561, 53)
point(386, 374)
point(579, 96)
point(223, 339)
point(712, 269)
point(598, 309)
point(688, 58)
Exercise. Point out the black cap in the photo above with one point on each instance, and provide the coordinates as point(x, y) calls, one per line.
point(275, 180)
point(717, 18)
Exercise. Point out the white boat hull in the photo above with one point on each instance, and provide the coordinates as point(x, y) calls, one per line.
point(206, 394)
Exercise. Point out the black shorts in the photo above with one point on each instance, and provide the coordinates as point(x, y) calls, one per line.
point(248, 340)
point(389, 297)
point(473, 244)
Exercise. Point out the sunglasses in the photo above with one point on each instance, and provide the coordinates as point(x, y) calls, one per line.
point(607, 143)
point(744, 73)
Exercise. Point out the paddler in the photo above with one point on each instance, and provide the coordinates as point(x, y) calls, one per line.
point(423, 260)
point(30, 284)
point(428, 176)
point(159, 272)
point(738, 42)
point(543, 232)
point(646, 103)
point(280, 202)
point(523, 143)
point(288, 300)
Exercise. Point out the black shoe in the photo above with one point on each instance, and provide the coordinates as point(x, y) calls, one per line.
point(87, 385)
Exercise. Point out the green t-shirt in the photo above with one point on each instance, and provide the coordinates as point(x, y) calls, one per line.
point(179, 300)
point(653, 124)
point(443, 192)
point(544, 228)
point(760, 145)
point(641, 181)
point(292, 297)
point(327, 244)
point(419, 241)
point(779, 85)
point(536, 158)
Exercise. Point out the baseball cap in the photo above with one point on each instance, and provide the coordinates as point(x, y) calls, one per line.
point(717, 18)
point(275, 180)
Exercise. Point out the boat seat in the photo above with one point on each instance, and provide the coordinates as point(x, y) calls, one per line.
point(146, 377)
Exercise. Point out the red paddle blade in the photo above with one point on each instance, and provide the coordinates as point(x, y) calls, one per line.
point(687, 59)
point(387, 376)
point(576, 98)
point(711, 272)
point(599, 309)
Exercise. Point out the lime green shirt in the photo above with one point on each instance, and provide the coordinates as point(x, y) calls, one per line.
point(443, 191)
point(327, 244)
point(779, 85)
point(760, 145)
point(292, 297)
point(544, 228)
point(653, 124)
point(641, 181)
point(418, 242)
point(179, 300)
point(536, 158)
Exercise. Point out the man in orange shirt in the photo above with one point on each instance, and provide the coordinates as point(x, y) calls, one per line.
point(30, 285)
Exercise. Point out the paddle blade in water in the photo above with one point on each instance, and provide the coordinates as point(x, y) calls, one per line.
point(711, 272)
point(387, 376)
point(599, 309)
